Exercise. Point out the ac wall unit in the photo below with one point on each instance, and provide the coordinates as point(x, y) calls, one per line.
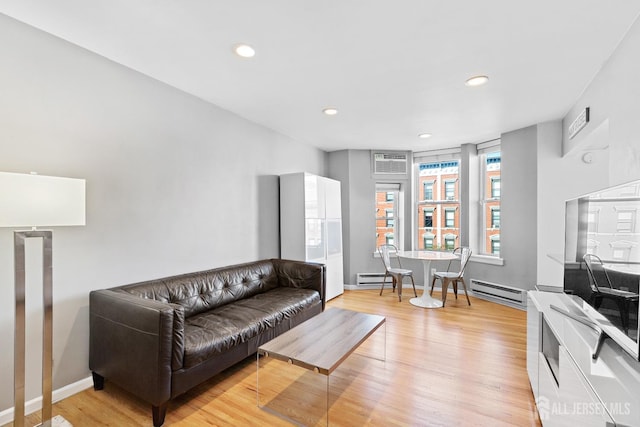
point(390, 163)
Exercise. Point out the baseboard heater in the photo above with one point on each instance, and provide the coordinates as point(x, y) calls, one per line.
point(503, 294)
point(365, 279)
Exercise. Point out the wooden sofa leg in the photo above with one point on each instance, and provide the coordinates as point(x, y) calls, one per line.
point(159, 413)
point(98, 381)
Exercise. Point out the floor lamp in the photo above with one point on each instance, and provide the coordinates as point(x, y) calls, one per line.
point(31, 200)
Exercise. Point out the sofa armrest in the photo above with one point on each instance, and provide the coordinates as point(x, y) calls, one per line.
point(135, 342)
point(301, 274)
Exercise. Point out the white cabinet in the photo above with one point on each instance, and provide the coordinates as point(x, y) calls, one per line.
point(311, 224)
point(534, 317)
point(583, 407)
point(569, 386)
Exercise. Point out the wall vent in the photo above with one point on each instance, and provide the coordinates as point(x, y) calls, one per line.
point(502, 294)
point(390, 163)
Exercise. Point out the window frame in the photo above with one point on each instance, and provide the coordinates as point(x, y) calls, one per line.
point(390, 217)
point(490, 196)
point(426, 184)
point(432, 169)
point(494, 210)
point(428, 237)
point(424, 216)
point(495, 188)
point(625, 225)
point(449, 184)
point(449, 241)
point(449, 218)
point(386, 217)
point(389, 238)
point(495, 241)
point(593, 220)
point(472, 217)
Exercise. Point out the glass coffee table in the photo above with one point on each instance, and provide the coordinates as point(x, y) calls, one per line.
point(319, 345)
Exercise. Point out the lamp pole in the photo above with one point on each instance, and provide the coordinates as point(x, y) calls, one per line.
point(19, 238)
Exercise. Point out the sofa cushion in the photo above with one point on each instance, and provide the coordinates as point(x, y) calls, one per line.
point(217, 330)
point(206, 290)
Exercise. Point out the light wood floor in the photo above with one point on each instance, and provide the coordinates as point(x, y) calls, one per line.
point(457, 366)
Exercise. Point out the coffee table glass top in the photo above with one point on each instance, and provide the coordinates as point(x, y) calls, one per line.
point(324, 341)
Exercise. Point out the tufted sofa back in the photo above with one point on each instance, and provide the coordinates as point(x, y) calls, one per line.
point(204, 290)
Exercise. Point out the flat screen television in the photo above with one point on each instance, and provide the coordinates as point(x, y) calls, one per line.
point(606, 223)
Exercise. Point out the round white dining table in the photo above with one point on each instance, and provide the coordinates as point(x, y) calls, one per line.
point(631, 269)
point(426, 300)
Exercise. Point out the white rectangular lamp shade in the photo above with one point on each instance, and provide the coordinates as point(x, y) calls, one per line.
point(28, 200)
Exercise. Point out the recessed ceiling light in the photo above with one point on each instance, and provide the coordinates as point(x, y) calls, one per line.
point(244, 50)
point(330, 111)
point(476, 81)
point(424, 135)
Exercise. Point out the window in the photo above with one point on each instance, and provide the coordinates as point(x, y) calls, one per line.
point(495, 244)
point(495, 218)
point(450, 242)
point(450, 190)
point(428, 241)
point(387, 196)
point(625, 221)
point(593, 220)
point(621, 250)
point(495, 187)
point(390, 218)
point(449, 218)
point(490, 193)
point(437, 206)
point(427, 190)
point(428, 218)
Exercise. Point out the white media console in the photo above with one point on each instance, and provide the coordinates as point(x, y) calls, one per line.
point(571, 387)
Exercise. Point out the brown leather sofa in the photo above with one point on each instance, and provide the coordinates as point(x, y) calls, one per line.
point(158, 339)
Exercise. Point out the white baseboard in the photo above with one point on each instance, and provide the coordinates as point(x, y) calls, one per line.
point(360, 287)
point(35, 405)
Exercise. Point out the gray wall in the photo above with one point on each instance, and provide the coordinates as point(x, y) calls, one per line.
point(339, 170)
point(518, 225)
point(611, 138)
point(174, 184)
point(613, 100)
point(559, 178)
point(353, 169)
point(518, 235)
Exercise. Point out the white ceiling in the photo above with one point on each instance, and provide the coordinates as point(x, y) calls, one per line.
point(394, 69)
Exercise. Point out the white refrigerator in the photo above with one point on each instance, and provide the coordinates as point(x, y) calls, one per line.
point(311, 224)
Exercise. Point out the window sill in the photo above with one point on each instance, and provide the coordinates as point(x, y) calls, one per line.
point(485, 259)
